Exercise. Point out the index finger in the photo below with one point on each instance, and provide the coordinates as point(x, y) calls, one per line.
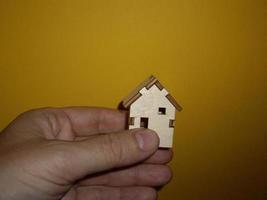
point(92, 120)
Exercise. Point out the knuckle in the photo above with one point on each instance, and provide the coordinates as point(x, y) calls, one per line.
point(135, 175)
point(36, 111)
point(33, 115)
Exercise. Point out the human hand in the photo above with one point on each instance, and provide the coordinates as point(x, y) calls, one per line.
point(79, 153)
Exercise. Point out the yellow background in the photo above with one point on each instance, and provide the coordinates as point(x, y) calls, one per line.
point(210, 54)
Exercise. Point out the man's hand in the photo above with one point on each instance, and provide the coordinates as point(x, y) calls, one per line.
point(79, 153)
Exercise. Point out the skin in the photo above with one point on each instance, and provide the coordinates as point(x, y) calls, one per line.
point(80, 153)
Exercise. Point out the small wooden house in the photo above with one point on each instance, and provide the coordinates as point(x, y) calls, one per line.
point(151, 106)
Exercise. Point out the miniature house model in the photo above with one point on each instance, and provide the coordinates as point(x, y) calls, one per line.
point(151, 106)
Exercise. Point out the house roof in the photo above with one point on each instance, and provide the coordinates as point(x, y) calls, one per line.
point(148, 83)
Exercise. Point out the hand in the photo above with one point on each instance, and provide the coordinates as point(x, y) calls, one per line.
point(79, 153)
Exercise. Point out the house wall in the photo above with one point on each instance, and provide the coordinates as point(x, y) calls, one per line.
point(148, 106)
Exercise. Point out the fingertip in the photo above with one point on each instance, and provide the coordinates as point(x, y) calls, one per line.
point(150, 194)
point(169, 155)
point(167, 174)
point(161, 156)
point(154, 175)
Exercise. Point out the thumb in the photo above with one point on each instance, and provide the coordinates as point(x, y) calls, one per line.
point(108, 151)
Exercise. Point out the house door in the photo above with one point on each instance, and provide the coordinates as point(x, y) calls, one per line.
point(144, 122)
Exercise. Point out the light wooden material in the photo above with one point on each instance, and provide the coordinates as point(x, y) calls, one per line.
point(151, 106)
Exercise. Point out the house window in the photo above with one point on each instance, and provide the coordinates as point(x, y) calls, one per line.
point(171, 123)
point(144, 122)
point(162, 111)
point(131, 121)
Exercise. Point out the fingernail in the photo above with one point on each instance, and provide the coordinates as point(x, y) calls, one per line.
point(146, 139)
